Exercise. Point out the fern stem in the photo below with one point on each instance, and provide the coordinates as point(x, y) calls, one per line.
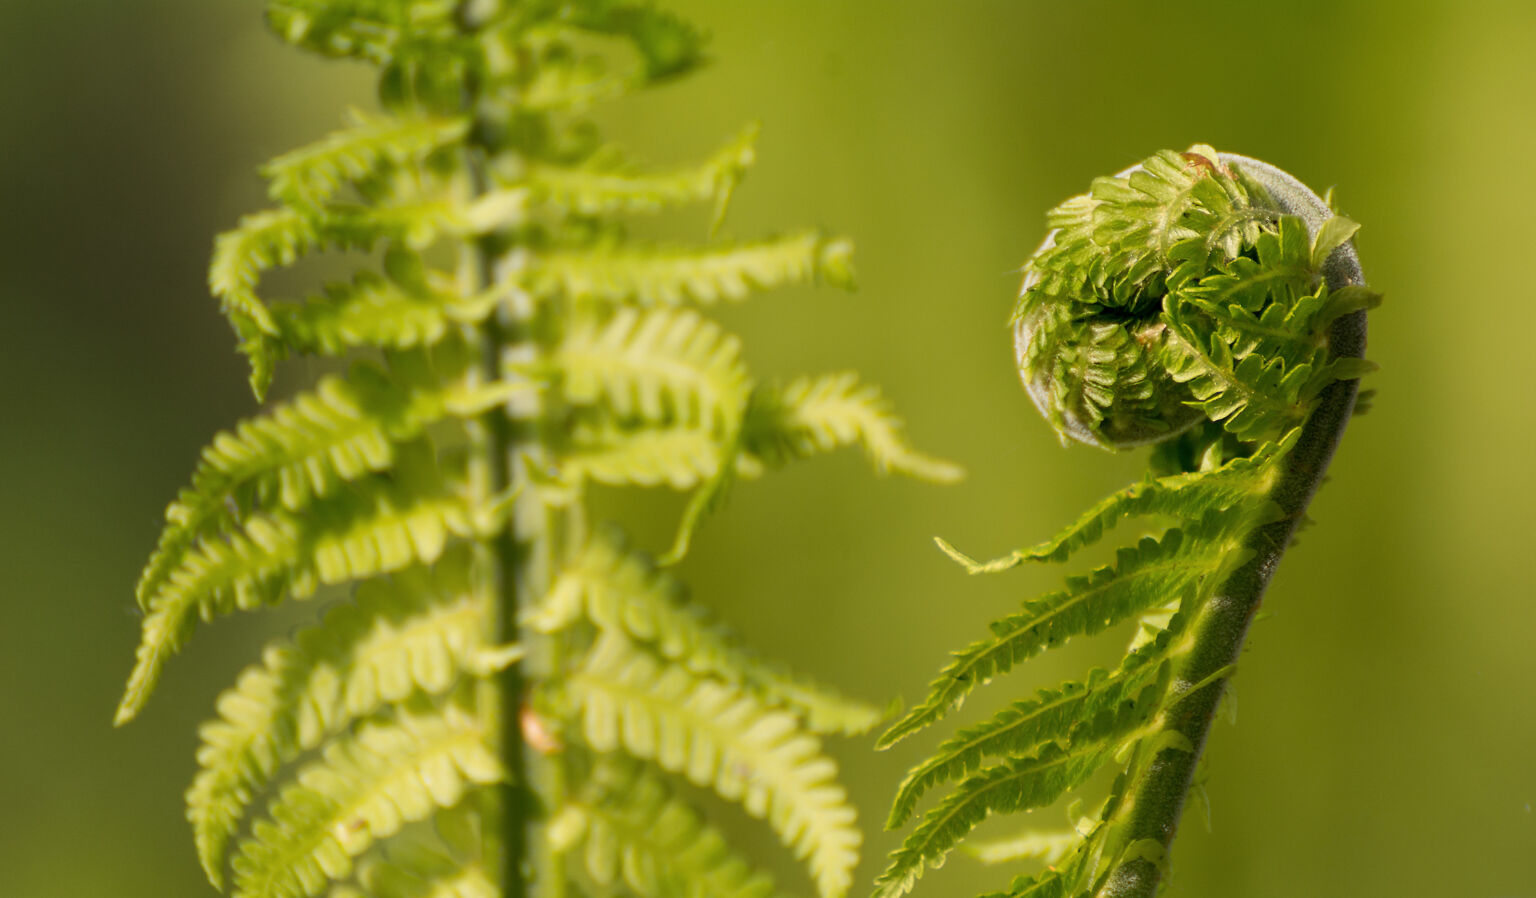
point(1156, 801)
point(496, 569)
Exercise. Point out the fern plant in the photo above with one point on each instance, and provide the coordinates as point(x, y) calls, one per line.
point(1212, 305)
point(514, 701)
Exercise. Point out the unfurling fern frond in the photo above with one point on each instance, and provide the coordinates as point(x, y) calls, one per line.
point(497, 707)
point(1213, 305)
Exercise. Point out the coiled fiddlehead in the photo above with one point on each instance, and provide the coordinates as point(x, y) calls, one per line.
point(512, 698)
point(1213, 305)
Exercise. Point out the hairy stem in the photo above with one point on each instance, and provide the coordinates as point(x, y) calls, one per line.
point(496, 570)
point(1156, 801)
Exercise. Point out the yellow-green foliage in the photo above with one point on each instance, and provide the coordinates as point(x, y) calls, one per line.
point(1207, 303)
point(511, 696)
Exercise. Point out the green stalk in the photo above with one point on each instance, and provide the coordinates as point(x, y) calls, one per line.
point(1156, 801)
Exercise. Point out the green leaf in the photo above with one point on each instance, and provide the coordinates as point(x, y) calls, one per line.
point(819, 414)
point(1187, 497)
point(652, 276)
point(363, 789)
point(1018, 785)
point(1333, 233)
point(346, 429)
point(658, 365)
point(638, 832)
point(720, 737)
point(621, 591)
point(1142, 578)
point(417, 633)
point(605, 186)
point(380, 527)
point(1028, 725)
point(312, 175)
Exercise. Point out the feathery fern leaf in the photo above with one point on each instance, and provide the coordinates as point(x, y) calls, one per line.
point(620, 591)
point(680, 457)
point(658, 365)
point(418, 632)
point(820, 414)
point(364, 789)
point(1209, 304)
point(1187, 497)
point(1026, 725)
point(605, 186)
point(303, 450)
point(723, 738)
point(382, 527)
point(1020, 784)
point(1142, 578)
point(399, 311)
point(636, 831)
point(529, 348)
point(653, 276)
point(312, 175)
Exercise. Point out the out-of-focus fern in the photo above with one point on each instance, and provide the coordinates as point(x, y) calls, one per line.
point(1213, 305)
point(513, 702)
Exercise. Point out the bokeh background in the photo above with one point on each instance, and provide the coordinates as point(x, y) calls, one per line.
point(1386, 743)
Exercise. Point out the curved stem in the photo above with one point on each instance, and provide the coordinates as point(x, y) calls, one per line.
point(1156, 801)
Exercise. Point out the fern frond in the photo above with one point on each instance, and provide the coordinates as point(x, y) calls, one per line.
point(656, 276)
point(1019, 784)
point(603, 186)
point(678, 457)
point(347, 428)
point(820, 414)
point(400, 310)
point(310, 176)
point(529, 349)
point(366, 29)
point(1171, 197)
point(623, 592)
point(1251, 397)
point(723, 738)
point(383, 526)
point(659, 365)
point(260, 242)
point(638, 832)
point(1143, 577)
point(1187, 497)
point(1028, 725)
point(416, 633)
point(1196, 301)
point(363, 790)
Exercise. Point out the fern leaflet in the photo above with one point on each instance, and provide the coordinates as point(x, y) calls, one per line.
point(501, 695)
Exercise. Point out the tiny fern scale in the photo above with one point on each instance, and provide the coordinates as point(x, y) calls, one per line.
point(513, 702)
point(1212, 306)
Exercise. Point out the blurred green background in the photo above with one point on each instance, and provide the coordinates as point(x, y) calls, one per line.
point(1386, 735)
